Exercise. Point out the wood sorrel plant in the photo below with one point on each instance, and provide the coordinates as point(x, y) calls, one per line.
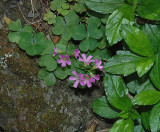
point(122, 35)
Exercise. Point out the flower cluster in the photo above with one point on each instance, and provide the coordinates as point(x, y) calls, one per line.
point(85, 79)
point(89, 77)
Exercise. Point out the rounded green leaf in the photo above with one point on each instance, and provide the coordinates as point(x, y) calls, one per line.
point(14, 37)
point(59, 26)
point(103, 108)
point(80, 32)
point(49, 62)
point(72, 18)
point(60, 73)
point(148, 97)
point(61, 47)
point(15, 25)
point(48, 77)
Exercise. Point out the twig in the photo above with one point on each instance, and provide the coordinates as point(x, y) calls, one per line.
point(31, 23)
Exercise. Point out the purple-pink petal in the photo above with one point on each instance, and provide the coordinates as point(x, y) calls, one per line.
point(59, 60)
point(63, 64)
point(68, 62)
point(76, 83)
point(84, 57)
point(72, 78)
point(61, 56)
point(66, 56)
point(74, 73)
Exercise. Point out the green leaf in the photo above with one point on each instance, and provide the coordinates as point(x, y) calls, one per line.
point(122, 63)
point(61, 47)
point(88, 44)
point(114, 22)
point(102, 107)
point(67, 34)
point(49, 62)
point(144, 65)
point(48, 77)
point(72, 19)
point(80, 32)
point(102, 44)
point(94, 20)
point(56, 4)
point(155, 118)
point(116, 92)
point(155, 73)
point(60, 73)
point(148, 97)
point(78, 7)
point(138, 127)
point(33, 46)
point(15, 25)
point(123, 125)
point(131, 113)
point(149, 9)
point(153, 31)
point(14, 37)
point(49, 49)
point(59, 27)
point(50, 17)
point(137, 41)
point(93, 31)
point(145, 114)
point(71, 49)
point(104, 6)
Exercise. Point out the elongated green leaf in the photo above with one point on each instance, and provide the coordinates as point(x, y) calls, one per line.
point(123, 125)
point(48, 77)
point(122, 63)
point(49, 62)
point(102, 107)
point(149, 9)
point(115, 20)
point(137, 41)
point(116, 91)
point(148, 97)
point(144, 65)
point(155, 118)
point(104, 6)
point(155, 73)
point(153, 31)
point(145, 114)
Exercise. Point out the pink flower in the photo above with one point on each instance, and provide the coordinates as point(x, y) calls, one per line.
point(76, 53)
point(56, 51)
point(95, 77)
point(88, 81)
point(64, 60)
point(97, 64)
point(86, 60)
point(78, 79)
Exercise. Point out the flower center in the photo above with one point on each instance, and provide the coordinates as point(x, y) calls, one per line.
point(64, 59)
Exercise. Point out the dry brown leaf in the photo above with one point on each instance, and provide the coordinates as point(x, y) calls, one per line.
point(91, 126)
point(7, 20)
